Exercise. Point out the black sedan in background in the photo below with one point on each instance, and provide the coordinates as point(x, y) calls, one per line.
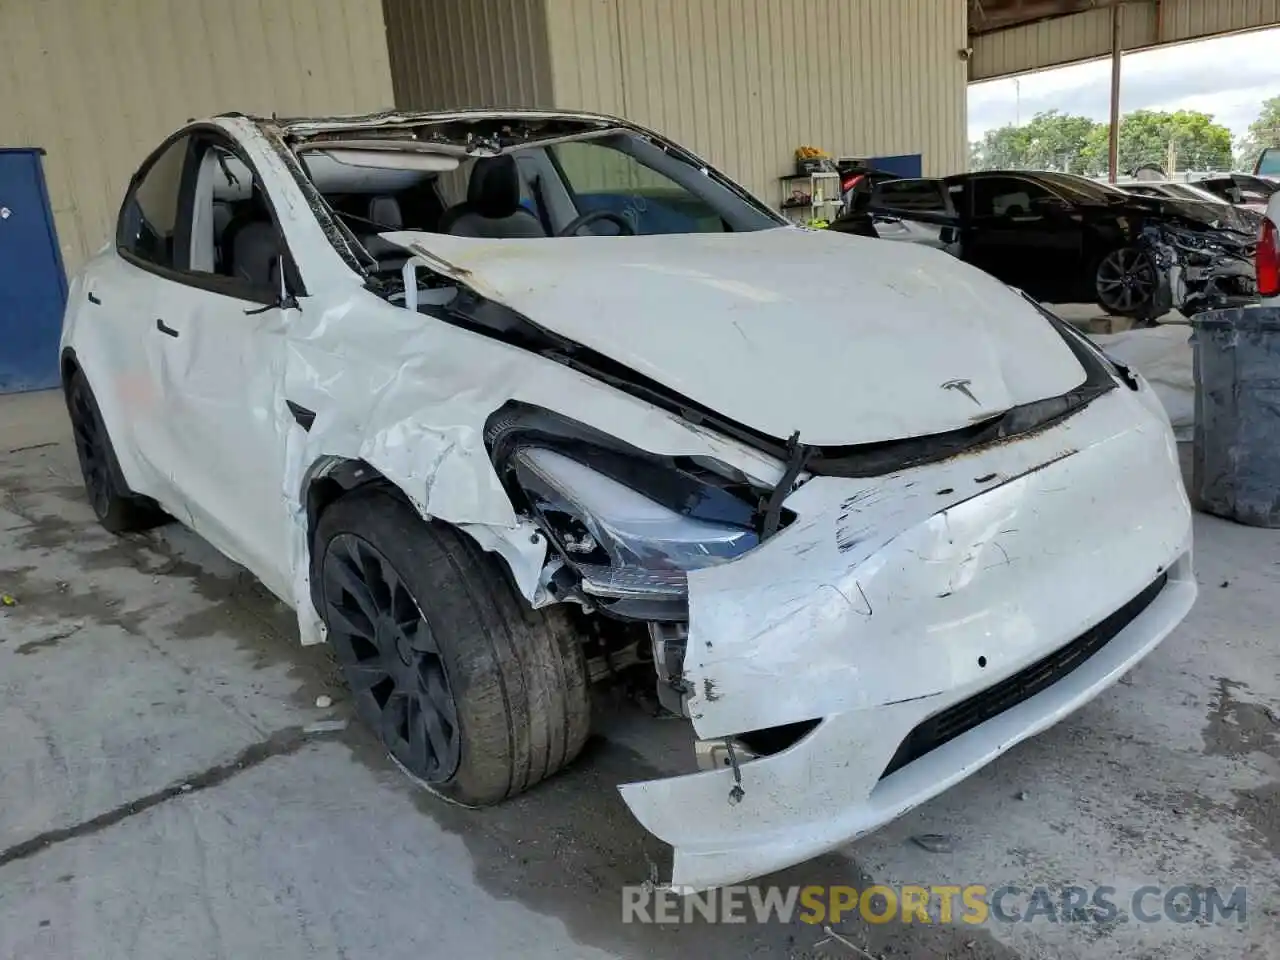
point(1067, 239)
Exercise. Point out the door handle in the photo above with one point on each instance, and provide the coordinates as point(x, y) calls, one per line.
point(164, 328)
point(93, 298)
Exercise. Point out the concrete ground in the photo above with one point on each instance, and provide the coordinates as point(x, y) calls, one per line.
point(1092, 319)
point(163, 793)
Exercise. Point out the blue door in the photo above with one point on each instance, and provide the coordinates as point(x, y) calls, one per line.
point(903, 164)
point(33, 287)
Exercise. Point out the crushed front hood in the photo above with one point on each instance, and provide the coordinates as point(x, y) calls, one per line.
point(1198, 214)
point(844, 339)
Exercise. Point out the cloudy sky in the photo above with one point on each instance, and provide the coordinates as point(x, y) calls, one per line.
point(1228, 77)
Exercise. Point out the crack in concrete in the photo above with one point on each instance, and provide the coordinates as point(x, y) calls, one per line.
point(280, 743)
point(32, 646)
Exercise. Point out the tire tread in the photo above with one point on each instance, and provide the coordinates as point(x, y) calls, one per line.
point(519, 674)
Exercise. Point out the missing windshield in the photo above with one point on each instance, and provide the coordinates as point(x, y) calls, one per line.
point(509, 177)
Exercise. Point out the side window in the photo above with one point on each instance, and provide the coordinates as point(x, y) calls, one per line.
point(149, 219)
point(1224, 188)
point(1006, 196)
point(1268, 164)
point(1252, 191)
point(914, 196)
point(232, 233)
point(199, 210)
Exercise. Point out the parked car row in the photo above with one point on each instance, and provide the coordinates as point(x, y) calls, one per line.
point(1241, 189)
point(1139, 251)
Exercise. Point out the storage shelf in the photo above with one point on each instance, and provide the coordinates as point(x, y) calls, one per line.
point(824, 174)
point(809, 204)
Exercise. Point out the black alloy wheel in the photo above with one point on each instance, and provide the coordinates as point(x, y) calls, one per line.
point(91, 448)
point(117, 508)
point(473, 693)
point(391, 659)
point(1126, 282)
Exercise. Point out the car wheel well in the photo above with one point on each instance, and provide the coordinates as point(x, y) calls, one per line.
point(330, 482)
point(334, 480)
point(69, 366)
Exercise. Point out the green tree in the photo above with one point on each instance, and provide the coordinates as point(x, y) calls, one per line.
point(1096, 151)
point(1002, 148)
point(1145, 138)
point(1187, 137)
point(1056, 141)
point(1263, 132)
point(1049, 141)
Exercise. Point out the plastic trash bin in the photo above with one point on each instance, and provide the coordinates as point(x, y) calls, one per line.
point(1236, 464)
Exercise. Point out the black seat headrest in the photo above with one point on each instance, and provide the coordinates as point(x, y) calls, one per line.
point(494, 188)
point(385, 212)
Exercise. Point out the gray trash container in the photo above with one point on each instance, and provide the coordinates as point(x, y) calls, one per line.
point(1236, 471)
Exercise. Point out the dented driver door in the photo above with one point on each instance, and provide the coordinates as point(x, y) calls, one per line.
point(221, 359)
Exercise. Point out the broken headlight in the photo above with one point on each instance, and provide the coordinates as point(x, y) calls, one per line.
point(631, 532)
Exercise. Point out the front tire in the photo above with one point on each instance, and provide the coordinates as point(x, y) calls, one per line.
point(116, 507)
point(472, 692)
point(1126, 283)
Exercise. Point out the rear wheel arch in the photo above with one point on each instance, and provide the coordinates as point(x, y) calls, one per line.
point(69, 365)
point(117, 507)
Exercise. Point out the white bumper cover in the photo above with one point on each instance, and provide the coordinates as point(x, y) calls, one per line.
point(889, 600)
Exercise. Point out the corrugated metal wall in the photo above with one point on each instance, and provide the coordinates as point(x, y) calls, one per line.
point(98, 85)
point(1085, 36)
point(743, 82)
point(468, 53)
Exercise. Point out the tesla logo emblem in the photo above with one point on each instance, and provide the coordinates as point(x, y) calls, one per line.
point(962, 386)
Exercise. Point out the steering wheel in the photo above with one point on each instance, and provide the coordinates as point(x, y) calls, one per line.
point(591, 216)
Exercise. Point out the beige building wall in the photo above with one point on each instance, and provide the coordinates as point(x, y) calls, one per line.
point(741, 82)
point(468, 53)
point(744, 82)
point(1087, 36)
point(99, 84)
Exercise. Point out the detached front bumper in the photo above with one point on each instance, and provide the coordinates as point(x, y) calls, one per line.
point(908, 602)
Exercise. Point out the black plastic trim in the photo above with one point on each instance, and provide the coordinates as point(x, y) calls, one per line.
point(1026, 683)
point(304, 417)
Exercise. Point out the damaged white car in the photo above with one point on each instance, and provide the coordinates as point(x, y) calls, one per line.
point(487, 396)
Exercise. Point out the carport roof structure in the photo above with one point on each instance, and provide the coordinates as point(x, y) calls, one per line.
point(1018, 36)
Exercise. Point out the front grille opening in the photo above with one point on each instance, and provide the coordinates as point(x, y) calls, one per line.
point(1026, 683)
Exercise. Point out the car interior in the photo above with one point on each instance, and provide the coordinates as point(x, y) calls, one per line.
point(197, 208)
point(608, 185)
